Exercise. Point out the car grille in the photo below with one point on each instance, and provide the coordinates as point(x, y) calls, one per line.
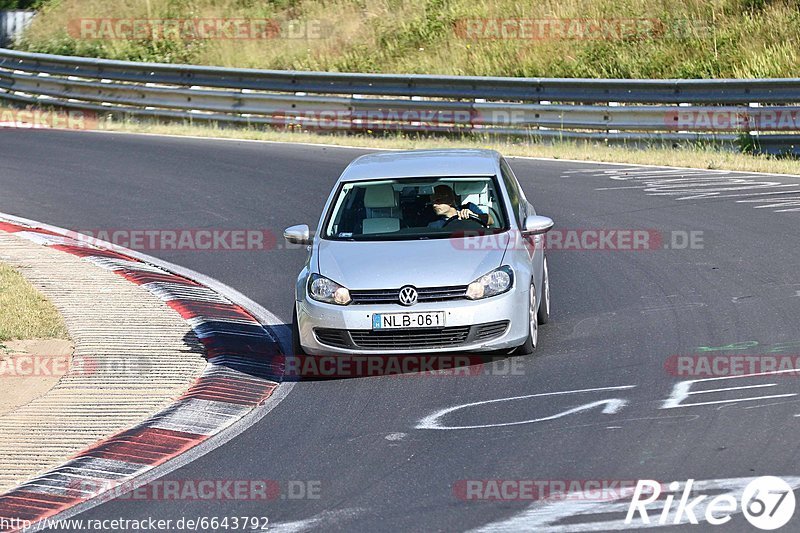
point(490, 331)
point(417, 338)
point(425, 294)
point(333, 337)
point(404, 339)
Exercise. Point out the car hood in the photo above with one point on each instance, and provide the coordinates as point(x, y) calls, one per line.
point(422, 263)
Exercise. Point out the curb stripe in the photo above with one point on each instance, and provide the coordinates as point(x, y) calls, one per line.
point(145, 445)
point(84, 252)
point(244, 365)
point(207, 310)
point(140, 278)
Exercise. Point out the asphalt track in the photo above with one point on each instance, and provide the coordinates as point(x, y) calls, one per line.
point(617, 318)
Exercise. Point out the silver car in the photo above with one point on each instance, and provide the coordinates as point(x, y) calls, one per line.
point(423, 251)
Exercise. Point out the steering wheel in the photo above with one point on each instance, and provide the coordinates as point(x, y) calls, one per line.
point(474, 218)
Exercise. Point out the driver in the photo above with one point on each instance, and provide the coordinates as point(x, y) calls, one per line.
point(444, 204)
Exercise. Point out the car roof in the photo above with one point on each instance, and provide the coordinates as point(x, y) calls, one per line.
point(422, 164)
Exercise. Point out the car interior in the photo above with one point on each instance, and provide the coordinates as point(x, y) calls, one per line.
point(405, 207)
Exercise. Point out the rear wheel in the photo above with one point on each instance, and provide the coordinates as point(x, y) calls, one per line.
point(297, 348)
point(544, 308)
point(533, 325)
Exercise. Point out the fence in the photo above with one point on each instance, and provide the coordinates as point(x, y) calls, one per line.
point(762, 112)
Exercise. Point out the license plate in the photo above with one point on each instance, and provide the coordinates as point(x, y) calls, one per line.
point(408, 320)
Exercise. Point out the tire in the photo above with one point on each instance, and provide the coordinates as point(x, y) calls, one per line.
point(543, 314)
point(529, 345)
point(297, 348)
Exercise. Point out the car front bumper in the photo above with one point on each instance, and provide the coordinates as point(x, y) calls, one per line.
point(355, 321)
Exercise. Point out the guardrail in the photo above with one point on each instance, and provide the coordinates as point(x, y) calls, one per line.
point(764, 112)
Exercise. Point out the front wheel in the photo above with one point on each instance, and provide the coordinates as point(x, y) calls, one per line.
point(543, 314)
point(297, 348)
point(533, 320)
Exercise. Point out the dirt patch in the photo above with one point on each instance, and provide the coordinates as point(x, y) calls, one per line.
point(30, 368)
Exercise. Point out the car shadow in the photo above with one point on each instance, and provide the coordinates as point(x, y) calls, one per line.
point(263, 357)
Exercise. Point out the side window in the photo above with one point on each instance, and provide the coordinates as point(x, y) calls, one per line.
point(514, 194)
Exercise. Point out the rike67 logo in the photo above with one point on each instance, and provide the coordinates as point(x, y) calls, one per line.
point(766, 502)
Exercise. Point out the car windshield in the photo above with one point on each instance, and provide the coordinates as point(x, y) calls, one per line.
point(416, 208)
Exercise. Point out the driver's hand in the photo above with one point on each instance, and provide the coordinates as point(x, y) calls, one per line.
point(464, 213)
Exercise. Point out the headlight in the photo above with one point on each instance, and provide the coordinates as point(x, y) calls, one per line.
point(495, 282)
point(322, 289)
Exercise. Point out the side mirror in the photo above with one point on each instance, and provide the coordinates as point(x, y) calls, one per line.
point(299, 234)
point(536, 225)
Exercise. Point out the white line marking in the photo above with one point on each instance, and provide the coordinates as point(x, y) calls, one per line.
point(698, 184)
point(769, 405)
point(733, 401)
point(612, 406)
point(620, 188)
point(735, 388)
point(770, 193)
point(681, 390)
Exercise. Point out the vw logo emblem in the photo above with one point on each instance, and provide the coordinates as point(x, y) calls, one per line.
point(408, 295)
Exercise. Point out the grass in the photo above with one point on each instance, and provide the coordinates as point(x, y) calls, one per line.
point(690, 38)
point(24, 312)
point(704, 157)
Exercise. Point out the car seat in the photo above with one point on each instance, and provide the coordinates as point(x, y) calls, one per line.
point(380, 202)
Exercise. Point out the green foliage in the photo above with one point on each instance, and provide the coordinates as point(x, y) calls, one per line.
point(690, 39)
point(747, 143)
point(9, 4)
point(21, 4)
